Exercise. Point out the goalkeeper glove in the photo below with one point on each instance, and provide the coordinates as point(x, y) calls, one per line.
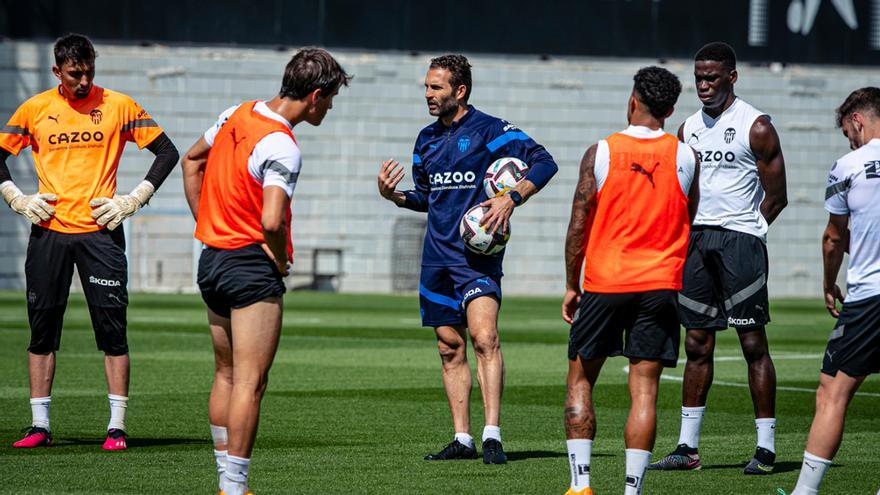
point(33, 206)
point(112, 211)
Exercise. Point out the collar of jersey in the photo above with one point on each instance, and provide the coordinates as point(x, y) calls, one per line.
point(81, 101)
point(460, 122)
point(642, 132)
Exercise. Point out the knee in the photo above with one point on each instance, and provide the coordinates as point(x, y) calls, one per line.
point(699, 348)
point(754, 350)
point(451, 352)
point(486, 343)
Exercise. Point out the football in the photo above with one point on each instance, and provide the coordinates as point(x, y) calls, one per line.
point(503, 175)
point(476, 238)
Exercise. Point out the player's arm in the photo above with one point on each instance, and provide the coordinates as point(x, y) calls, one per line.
point(14, 137)
point(771, 167)
point(576, 238)
point(276, 202)
point(694, 192)
point(193, 168)
point(834, 244)
point(542, 168)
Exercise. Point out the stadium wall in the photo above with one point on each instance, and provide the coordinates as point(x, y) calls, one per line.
point(564, 103)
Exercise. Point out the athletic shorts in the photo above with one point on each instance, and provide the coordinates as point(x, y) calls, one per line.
point(99, 258)
point(854, 344)
point(725, 280)
point(638, 325)
point(445, 291)
point(235, 278)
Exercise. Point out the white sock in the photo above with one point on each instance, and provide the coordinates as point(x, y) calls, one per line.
point(812, 471)
point(234, 480)
point(465, 439)
point(636, 464)
point(579, 451)
point(691, 422)
point(766, 433)
point(220, 459)
point(40, 411)
point(118, 404)
point(491, 432)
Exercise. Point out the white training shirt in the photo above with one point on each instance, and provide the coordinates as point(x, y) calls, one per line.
point(854, 189)
point(730, 188)
point(685, 162)
point(276, 159)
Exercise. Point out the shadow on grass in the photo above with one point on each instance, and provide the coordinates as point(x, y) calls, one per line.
point(780, 467)
point(542, 454)
point(135, 443)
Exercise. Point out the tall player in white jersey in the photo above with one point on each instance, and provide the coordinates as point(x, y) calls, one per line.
point(853, 350)
point(742, 189)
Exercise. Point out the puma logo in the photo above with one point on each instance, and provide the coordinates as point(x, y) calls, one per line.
point(235, 141)
point(55, 118)
point(810, 465)
point(635, 167)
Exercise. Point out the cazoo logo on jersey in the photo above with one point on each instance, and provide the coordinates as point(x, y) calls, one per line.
point(453, 180)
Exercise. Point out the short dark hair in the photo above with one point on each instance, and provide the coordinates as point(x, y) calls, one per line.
point(311, 69)
point(74, 48)
point(860, 100)
point(717, 51)
point(658, 89)
point(459, 69)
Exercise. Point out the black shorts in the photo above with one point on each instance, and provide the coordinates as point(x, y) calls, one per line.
point(640, 325)
point(99, 258)
point(725, 280)
point(854, 344)
point(234, 278)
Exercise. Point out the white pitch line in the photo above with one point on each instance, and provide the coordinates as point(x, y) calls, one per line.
point(781, 357)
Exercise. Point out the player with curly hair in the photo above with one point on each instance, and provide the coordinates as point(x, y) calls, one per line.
point(636, 196)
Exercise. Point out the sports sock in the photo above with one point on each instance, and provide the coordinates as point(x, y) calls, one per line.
point(40, 411)
point(766, 433)
point(491, 432)
point(579, 451)
point(465, 439)
point(118, 404)
point(235, 478)
point(691, 422)
point(220, 437)
point(636, 464)
point(812, 471)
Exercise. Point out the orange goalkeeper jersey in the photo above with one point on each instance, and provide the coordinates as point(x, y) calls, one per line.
point(76, 146)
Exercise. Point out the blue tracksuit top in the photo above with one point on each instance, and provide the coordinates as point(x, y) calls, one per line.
point(448, 168)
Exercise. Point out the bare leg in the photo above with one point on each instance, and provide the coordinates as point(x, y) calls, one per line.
point(221, 390)
point(483, 325)
point(41, 369)
point(456, 374)
point(832, 398)
point(116, 369)
point(255, 333)
point(580, 416)
point(762, 373)
point(641, 425)
point(699, 345)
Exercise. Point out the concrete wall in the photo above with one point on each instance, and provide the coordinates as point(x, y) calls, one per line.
point(565, 104)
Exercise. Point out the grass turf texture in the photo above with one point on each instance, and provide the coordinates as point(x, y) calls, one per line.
point(355, 400)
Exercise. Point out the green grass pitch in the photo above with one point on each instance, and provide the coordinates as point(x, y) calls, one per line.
point(355, 401)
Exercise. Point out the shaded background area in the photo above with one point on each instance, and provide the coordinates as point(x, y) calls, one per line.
point(802, 31)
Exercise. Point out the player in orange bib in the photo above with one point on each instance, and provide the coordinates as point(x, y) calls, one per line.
point(77, 132)
point(635, 199)
point(239, 179)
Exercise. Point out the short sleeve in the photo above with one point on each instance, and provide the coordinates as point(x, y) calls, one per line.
point(16, 134)
point(137, 125)
point(836, 193)
point(212, 131)
point(276, 161)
